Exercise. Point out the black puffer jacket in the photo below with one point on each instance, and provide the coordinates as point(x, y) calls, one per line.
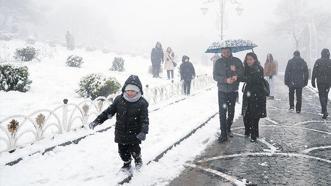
point(254, 98)
point(296, 73)
point(322, 69)
point(187, 71)
point(131, 118)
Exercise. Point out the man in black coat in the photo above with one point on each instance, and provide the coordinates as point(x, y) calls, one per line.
point(322, 72)
point(157, 57)
point(228, 72)
point(296, 77)
point(187, 73)
point(132, 121)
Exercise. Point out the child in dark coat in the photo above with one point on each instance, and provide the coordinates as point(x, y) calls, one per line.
point(187, 73)
point(132, 121)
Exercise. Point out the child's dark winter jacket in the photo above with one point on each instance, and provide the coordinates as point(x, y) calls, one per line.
point(187, 71)
point(131, 118)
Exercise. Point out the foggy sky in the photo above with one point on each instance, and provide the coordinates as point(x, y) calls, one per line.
point(131, 26)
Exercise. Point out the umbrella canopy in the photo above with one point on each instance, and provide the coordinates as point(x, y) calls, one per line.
point(236, 45)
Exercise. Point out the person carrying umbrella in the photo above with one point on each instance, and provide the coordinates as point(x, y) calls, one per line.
point(228, 72)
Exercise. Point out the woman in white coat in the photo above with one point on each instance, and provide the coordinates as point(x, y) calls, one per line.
point(169, 64)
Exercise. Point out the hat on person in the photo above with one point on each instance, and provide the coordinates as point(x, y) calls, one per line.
point(132, 88)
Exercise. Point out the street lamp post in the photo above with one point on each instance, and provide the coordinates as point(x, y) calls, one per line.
point(221, 12)
point(222, 4)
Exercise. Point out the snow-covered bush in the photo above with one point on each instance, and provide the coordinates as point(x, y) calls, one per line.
point(25, 54)
point(90, 49)
point(95, 85)
point(106, 51)
point(74, 61)
point(118, 64)
point(31, 41)
point(14, 78)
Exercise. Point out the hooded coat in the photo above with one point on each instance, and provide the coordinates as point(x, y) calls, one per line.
point(157, 56)
point(254, 98)
point(131, 117)
point(322, 69)
point(187, 71)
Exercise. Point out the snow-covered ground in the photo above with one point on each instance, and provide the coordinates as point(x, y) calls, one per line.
point(95, 159)
point(53, 80)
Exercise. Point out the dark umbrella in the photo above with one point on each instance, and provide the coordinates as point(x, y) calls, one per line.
point(236, 45)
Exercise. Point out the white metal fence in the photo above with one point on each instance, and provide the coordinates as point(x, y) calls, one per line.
point(19, 130)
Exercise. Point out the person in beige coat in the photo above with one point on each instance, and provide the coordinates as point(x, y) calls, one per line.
point(169, 63)
point(270, 71)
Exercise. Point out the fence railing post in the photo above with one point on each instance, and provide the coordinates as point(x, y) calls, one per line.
point(65, 116)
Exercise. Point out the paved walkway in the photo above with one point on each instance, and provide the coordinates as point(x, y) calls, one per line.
point(294, 149)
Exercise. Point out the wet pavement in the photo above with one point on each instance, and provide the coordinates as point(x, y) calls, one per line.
point(293, 149)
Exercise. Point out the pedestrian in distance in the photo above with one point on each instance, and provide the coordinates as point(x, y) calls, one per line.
point(270, 71)
point(187, 73)
point(322, 74)
point(296, 77)
point(169, 63)
point(157, 57)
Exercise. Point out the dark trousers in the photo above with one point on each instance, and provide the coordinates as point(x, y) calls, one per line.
point(156, 70)
point(127, 151)
point(227, 103)
point(251, 125)
point(323, 92)
point(298, 92)
point(187, 87)
point(170, 74)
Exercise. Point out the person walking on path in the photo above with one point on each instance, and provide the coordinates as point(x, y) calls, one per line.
point(187, 73)
point(132, 121)
point(296, 77)
point(254, 96)
point(270, 71)
point(227, 72)
point(322, 73)
point(157, 57)
point(169, 64)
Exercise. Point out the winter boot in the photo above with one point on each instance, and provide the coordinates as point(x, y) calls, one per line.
point(138, 162)
point(222, 139)
point(230, 134)
point(126, 166)
point(325, 115)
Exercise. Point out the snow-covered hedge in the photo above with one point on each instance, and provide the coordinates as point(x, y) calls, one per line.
point(25, 54)
point(14, 78)
point(95, 85)
point(74, 61)
point(118, 64)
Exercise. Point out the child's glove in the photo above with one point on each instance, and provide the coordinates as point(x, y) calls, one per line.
point(92, 125)
point(141, 136)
